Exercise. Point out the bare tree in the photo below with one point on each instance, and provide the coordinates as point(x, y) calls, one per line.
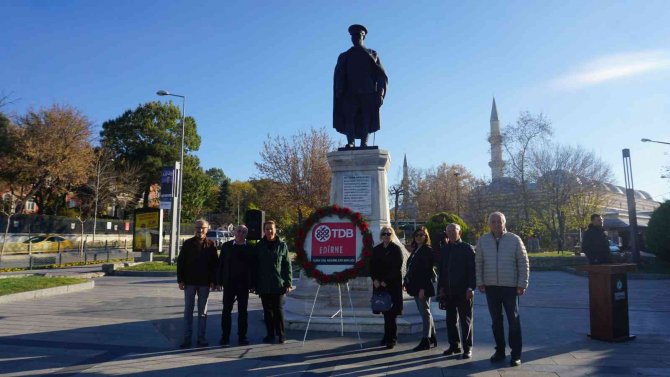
point(101, 181)
point(442, 189)
point(127, 188)
point(519, 139)
point(300, 164)
point(479, 207)
point(568, 181)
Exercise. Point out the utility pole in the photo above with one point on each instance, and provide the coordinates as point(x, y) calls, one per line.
point(458, 194)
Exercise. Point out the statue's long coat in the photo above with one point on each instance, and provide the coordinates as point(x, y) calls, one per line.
point(339, 86)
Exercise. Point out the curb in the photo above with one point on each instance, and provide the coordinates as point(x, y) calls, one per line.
point(144, 273)
point(631, 275)
point(47, 292)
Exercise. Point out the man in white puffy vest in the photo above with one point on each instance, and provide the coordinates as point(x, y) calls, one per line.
point(502, 273)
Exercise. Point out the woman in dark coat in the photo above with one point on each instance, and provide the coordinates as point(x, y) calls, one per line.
point(386, 274)
point(419, 284)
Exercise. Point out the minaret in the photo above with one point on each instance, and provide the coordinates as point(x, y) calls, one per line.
point(497, 164)
point(405, 183)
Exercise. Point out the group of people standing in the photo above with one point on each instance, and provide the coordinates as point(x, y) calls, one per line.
point(497, 266)
point(240, 269)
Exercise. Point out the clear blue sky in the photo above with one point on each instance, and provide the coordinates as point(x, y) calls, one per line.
point(600, 70)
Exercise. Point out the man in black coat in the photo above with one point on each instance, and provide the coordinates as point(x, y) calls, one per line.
point(196, 275)
point(456, 285)
point(359, 89)
point(595, 243)
point(235, 276)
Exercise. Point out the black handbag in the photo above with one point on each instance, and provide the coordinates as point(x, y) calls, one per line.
point(381, 301)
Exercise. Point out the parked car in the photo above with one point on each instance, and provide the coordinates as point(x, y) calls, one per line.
point(48, 243)
point(614, 248)
point(219, 236)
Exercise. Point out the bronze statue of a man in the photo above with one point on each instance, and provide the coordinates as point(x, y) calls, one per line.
point(359, 89)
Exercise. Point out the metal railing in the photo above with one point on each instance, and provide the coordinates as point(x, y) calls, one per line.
point(26, 257)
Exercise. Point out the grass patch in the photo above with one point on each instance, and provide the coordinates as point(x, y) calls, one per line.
point(161, 257)
point(554, 253)
point(70, 264)
point(151, 266)
point(31, 283)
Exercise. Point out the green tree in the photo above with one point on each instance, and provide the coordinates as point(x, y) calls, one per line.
point(150, 137)
point(217, 175)
point(197, 188)
point(658, 237)
point(438, 223)
point(223, 199)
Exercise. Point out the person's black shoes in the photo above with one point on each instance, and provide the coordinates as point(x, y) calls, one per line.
point(225, 342)
point(466, 354)
point(269, 339)
point(383, 342)
point(390, 345)
point(433, 340)
point(185, 344)
point(514, 362)
point(497, 356)
point(243, 342)
point(452, 350)
point(424, 345)
point(202, 343)
point(281, 340)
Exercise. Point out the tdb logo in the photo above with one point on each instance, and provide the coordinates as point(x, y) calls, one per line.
point(323, 233)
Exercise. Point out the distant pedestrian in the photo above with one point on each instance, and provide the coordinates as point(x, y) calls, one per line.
point(502, 273)
point(418, 283)
point(196, 275)
point(235, 275)
point(274, 280)
point(456, 285)
point(595, 244)
point(386, 275)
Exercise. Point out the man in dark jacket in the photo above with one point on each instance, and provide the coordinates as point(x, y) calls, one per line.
point(234, 276)
point(273, 280)
point(196, 275)
point(359, 89)
point(456, 285)
point(594, 243)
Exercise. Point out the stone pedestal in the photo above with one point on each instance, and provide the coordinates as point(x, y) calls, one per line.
point(359, 181)
point(369, 166)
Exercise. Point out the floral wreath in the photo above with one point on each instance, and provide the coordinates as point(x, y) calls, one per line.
point(337, 277)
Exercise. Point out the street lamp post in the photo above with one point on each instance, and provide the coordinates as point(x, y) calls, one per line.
point(458, 194)
point(181, 175)
point(654, 141)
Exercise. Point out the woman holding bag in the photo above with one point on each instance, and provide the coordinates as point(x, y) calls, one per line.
point(386, 274)
point(419, 284)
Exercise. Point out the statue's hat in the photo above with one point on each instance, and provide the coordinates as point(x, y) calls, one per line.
point(357, 28)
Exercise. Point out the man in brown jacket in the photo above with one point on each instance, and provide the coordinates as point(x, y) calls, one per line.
point(196, 275)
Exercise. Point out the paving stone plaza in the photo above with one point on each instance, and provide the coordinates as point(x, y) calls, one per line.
point(132, 326)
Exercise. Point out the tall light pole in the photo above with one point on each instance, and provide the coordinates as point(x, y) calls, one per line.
point(180, 181)
point(632, 211)
point(654, 141)
point(458, 194)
